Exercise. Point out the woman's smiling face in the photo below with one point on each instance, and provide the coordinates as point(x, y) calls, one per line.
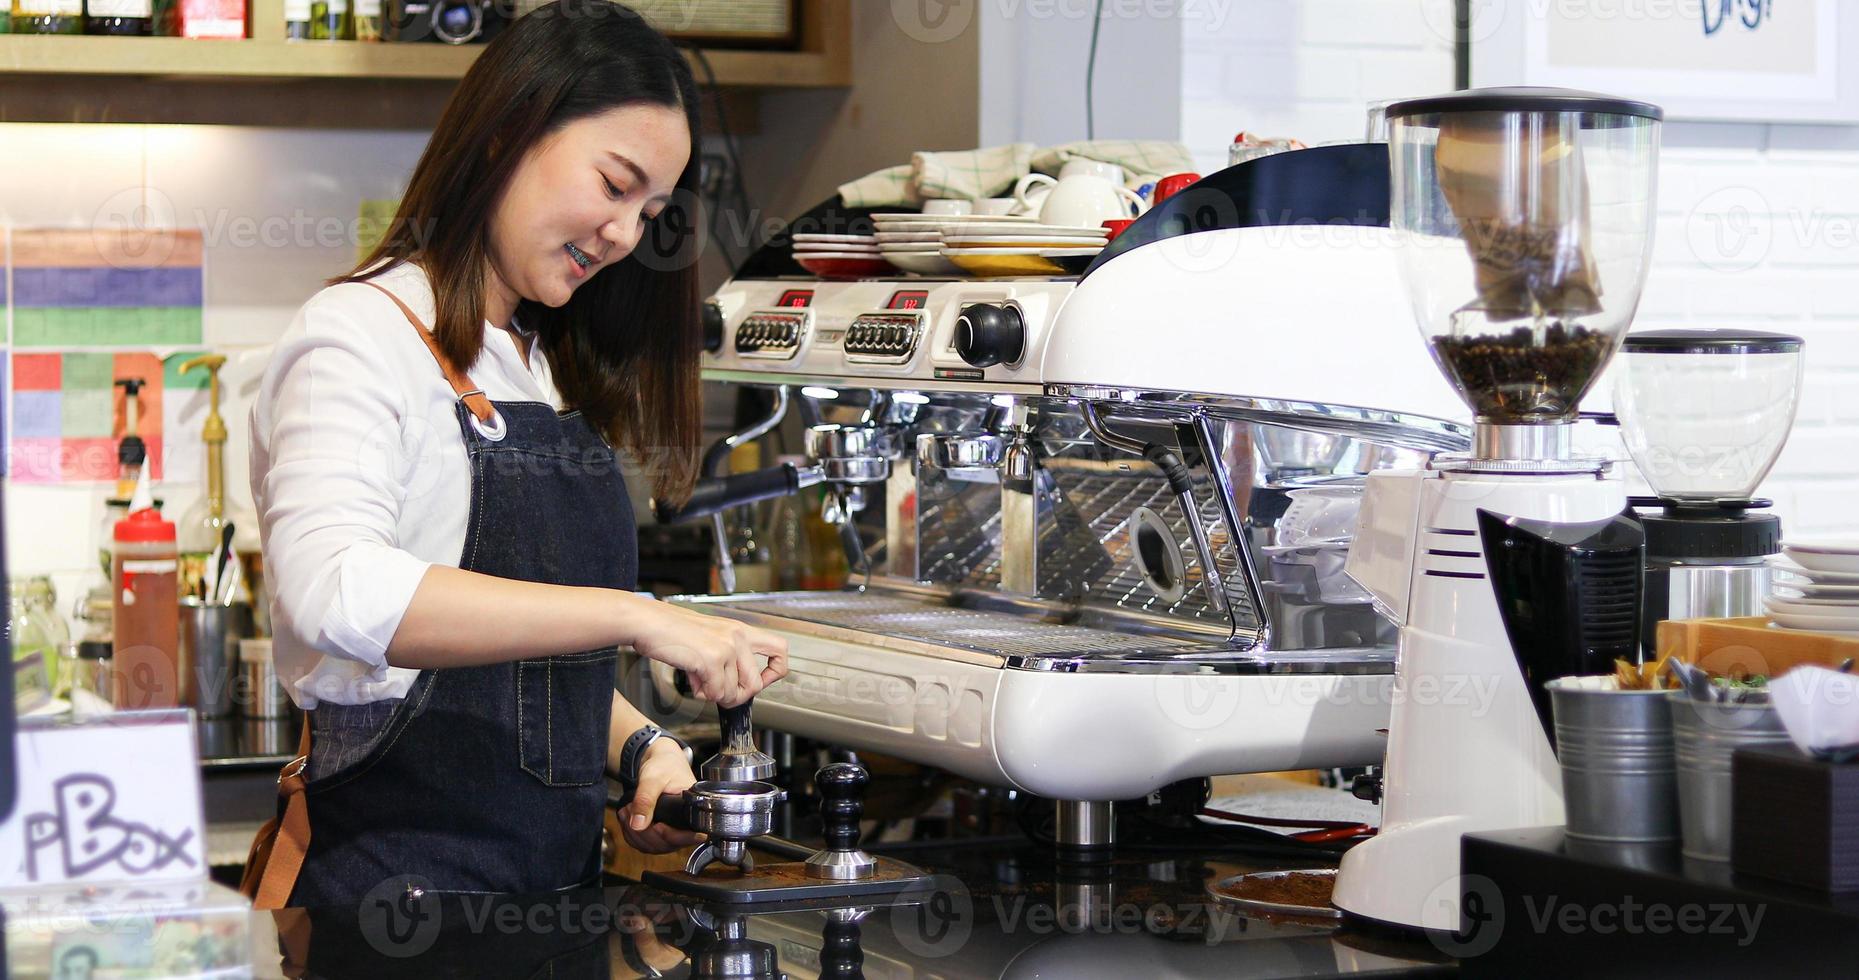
point(580, 200)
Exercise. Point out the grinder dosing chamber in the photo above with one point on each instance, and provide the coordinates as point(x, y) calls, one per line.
point(1524, 223)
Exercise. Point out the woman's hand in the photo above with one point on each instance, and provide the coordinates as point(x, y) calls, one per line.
point(664, 770)
point(717, 654)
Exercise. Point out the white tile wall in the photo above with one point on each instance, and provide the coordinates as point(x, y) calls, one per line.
point(278, 208)
point(1758, 225)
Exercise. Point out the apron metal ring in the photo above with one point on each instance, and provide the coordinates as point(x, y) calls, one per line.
point(494, 430)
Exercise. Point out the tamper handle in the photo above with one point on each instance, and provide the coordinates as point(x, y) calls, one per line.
point(735, 724)
point(842, 801)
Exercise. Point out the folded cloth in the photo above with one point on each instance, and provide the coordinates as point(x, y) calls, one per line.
point(991, 172)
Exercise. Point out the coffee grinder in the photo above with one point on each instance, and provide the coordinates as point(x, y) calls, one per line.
point(1524, 220)
point(1705, 413)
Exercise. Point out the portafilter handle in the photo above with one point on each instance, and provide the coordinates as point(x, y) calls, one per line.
point(737, 759)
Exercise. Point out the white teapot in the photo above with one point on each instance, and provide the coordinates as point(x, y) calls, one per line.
point(1086, 193)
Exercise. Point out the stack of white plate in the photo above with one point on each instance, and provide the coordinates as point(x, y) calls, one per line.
point(985, 245)
point(1816, 585)
point(913, 242)
point(839, 256)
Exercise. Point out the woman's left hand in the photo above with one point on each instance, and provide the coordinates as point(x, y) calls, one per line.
point(664, 770)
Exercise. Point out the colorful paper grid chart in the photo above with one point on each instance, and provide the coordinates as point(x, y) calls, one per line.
point(106, 287)
point(69, 414)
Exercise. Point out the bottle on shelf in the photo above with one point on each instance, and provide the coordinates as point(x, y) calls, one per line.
point(788, 537)
point(329, 21)
point(297, 20)
point(134, 18)
point(167, 20)
point(367, 20)
point(203, 529)
point(48, 16)
point(34, 655)
point(826, 568)
point(146, 605)
point(749, 553)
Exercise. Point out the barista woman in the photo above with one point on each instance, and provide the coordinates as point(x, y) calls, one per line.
point(449, 543)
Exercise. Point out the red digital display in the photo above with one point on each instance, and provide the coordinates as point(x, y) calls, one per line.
point(908, 299)
point(796, 298)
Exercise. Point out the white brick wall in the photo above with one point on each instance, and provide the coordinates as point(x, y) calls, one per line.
point(1758, 225)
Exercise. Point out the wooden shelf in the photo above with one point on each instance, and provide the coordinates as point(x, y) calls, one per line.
point(269, 80)
point(176, 57)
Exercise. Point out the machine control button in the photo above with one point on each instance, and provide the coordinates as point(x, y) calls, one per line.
point(885, 338)
point(713, 326)
point(987, 334)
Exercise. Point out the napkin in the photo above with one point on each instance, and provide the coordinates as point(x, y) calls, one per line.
point(992, 171)
point(1820, 709)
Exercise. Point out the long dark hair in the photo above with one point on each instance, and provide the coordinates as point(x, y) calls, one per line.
point(624, 349)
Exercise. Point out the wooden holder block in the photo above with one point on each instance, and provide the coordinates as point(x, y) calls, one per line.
point(1750, 645)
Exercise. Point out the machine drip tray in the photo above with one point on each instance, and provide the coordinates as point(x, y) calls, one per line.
point(931, 619)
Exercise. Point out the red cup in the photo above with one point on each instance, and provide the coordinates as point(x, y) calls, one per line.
point(1115, 226)
point(1171, 185)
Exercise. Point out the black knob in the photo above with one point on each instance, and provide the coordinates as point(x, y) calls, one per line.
point(713, 326)
point(987, 334)
point(841, 953)
point(842, 800)
point(1366, 787)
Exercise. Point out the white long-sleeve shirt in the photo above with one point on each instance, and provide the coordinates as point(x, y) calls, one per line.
point(359, 474)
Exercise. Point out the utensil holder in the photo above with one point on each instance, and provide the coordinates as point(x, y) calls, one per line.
point(1619, 773)
point(209, 651)
point(1705, 735)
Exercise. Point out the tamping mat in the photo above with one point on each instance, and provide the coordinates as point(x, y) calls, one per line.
point(786, 881)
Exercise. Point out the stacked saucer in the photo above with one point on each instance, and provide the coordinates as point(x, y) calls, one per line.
point(840, 256)
point(1020, 250)
point(1816, 585)
point(913, 242)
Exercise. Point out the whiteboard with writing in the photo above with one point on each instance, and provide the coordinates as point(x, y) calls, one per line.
point(1713, 60)
point(114, 797)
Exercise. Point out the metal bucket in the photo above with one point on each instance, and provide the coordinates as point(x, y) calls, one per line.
point(210, 635)
point(1705, 734)
point(261, 695)
point(1619, 777)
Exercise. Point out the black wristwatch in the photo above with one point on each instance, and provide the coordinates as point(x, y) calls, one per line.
point(632, 754)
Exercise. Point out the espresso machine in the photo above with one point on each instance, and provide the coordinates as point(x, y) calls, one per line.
point(1704, 414)
point(1523, 220)
point(1096, 523)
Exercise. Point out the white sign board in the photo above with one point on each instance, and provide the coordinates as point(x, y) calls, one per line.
point(1748, 60)
point(112, 798)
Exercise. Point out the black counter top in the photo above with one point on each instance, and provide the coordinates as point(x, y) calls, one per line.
point(237, 744)
point(1641, 910)
point(1015, 912)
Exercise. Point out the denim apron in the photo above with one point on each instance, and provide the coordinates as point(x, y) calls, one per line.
point(491, 778)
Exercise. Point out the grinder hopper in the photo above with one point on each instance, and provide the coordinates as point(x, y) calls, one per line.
point(1525, 216)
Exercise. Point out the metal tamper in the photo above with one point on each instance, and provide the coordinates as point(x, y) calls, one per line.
point(842, 800)
point(737, 759)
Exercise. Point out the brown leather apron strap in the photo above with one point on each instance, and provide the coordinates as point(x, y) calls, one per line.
point(277, 854)
point(473, 396)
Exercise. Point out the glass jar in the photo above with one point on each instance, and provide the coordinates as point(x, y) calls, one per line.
point(34, 655)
